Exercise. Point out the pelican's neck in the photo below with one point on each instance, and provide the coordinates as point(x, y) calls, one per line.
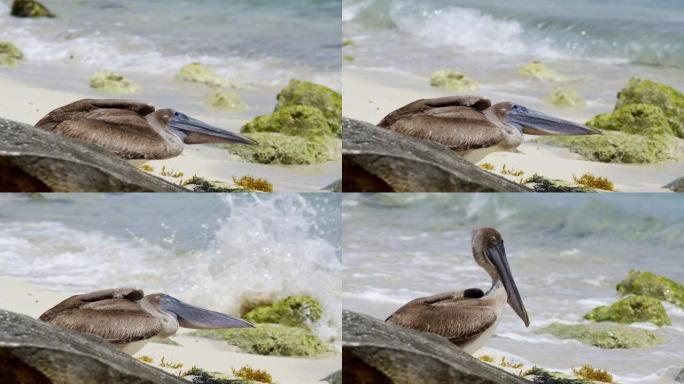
point(168, 321)
point(171, 145)
point(496, 286)
point(512, 136)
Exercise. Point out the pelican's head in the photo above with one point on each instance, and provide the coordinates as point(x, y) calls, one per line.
point(193, 131)
point(536, 123)
point(490, 254)
point(189, 316)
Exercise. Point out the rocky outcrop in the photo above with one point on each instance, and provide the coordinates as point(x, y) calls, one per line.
point(380, 160)
point(376, 352)
point(33, 160)
point(113, 83)
point(604, 335)
point(452, 80)
point(632, 309)
point(30, 8)
point(652, 285)
point(34, 352)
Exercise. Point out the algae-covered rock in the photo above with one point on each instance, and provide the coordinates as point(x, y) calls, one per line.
point(293, 311)
point(540, 183)
point(10, 55)
point(630, 310)
point(329, 102)
point(542, 376)
point(640, 119)
point(30, 8)
point(225, 99)
point(453, 81)
point(277, 148)
point(271, 339)
point(295, 120)
point(109, 82)
point(652, 285)
point(540, 71)
point(668, 99)
point(604, 335)
point(564, 97)
point(199, 73)
point(200, 184)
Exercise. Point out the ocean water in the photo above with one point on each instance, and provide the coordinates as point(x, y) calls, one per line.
point(566, 252)
point(208, 250)
point(264, 42)
point(598, 45)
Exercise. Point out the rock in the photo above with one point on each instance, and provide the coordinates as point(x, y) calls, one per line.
point(109, 82)
point(652, 285)
point(34, 160)
point(9, 54)
point(605, 335)
point(540, 183)
point(200, 184)
point(277, 148)
point(271, 339)
point(380, 160)
point(295, 120)
point(563, 97)
point(334, 378)
point(30, 8)
point(676, 185)
point(630, 310)
point(541, 376)
point(293, 311)
point(540, 71)
point(329, 102)
point(639, 119)
point(668, 99)
point(32, 351)
point(225, 99)
point(335, 186)
point(377, 352)
point(199, 73)
point(453, 81)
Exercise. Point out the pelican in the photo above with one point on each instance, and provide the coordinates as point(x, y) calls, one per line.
point(468, 318)
point(473, 127)
point(128, 319)
point(133, 130)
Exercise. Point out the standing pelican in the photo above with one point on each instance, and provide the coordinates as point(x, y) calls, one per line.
point(133, 130)
point(128, 319)
point(473, 127)
point(468, 318)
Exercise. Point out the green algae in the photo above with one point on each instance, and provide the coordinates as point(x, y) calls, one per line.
point(10, 55)
point(30, 8)
point(293, 311)
point(109, 82)
point(652, 285)
point(348, 43)
point(277, 148)
point(199, 73)
point(225, 99)
point(639, 119)
point(306, 93)
point(604, 335)
point(630, 310)
point(271, 339)
point(295, 120)
point(453, 80)
point(540, 71)
point(668, 99)
point(564, 98)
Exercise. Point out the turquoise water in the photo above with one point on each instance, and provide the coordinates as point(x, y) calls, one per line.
point(567, 252)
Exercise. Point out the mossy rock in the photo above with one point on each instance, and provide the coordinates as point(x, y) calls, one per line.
point(453, 81)
point(630, 310)
point(306, 93)
point(277, 148)
point(200, 184)
point(668, 99)
point(271, 339)
point(542, 376)
point(652, 285)
point(540, 71)
point(295, 120)
point(109, 82)
point(293, 311)
point(199, 73)
point(617, 147)
point(199, 376)
point(540, 183)
point(604, 335)
point(225, 99)
point(30, 8)
point(638, 119)
point(564, 98)
point(10, 55)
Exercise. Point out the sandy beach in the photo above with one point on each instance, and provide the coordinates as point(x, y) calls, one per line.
point(370, 94)
point(207, 354)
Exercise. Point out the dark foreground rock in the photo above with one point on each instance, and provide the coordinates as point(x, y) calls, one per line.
point(676, 185)
point(376, 352)
point(379, 160)
point(33, 352)
point(33, 160)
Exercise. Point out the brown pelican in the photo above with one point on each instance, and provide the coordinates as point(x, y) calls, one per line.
point(473, 127)
point(468, 318)
point(128, 318)
point(133, 130)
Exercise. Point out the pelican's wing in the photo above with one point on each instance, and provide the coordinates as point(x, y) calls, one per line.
point(451, 315)
point(118, 321)
point(77, 108)
point(77, 301)
point(419, 106)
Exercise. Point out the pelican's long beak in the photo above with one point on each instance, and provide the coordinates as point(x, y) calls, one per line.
point(537, 123)
point(497, 256)
point(190, 316)
point(193, 131)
